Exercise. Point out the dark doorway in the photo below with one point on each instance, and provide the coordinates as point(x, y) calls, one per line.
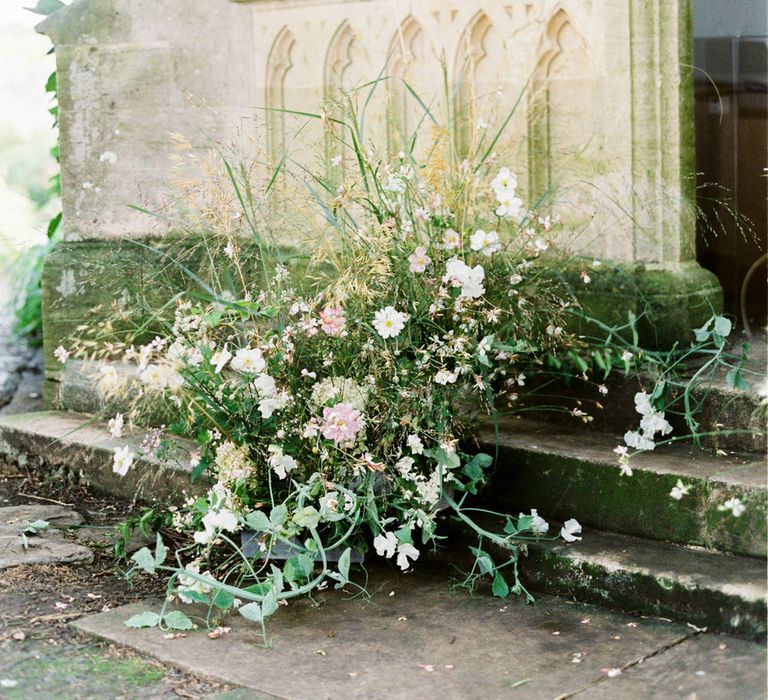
point(731, 88)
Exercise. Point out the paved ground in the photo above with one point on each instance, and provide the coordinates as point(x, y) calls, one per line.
point(417, 639)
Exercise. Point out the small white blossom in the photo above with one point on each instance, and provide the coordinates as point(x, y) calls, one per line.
point(451, 239)
point(115, 425)
point(61, 354)
point(220, 358)
point(415, 445)
point(679, 490)
point(249, 361)
point(485, 242)
point(122, 460)
point(444, 377)
point(734, 505)
point(404, 552)
point(385, 544)
point(539, 525)
point(570, 529)
point(280, 462)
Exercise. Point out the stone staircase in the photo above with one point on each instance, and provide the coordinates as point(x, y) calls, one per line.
point(641, 551)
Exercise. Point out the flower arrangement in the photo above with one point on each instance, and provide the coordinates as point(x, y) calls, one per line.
point(333, 406)
point(336, 419)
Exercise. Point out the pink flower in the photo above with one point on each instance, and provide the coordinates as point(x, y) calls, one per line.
point(333, 321)
point(419, 259)
point(341, 423)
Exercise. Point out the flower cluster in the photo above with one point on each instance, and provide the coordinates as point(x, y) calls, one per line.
point(334, 419)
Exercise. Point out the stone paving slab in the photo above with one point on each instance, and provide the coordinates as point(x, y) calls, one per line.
point(48, 547)
point(707, 666)
point(414, 639)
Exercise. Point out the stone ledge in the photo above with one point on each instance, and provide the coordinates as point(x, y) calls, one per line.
point(566, 473)
point(721, 592)
point(53, 439)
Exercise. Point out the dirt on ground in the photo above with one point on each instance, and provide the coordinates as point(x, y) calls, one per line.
point(41, 656)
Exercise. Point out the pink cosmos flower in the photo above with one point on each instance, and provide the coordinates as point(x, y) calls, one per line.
point(341, 423)
point(419, 260)
point(333, 321)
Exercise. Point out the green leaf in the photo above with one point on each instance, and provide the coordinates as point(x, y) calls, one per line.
point(177, 620)
point(145, 619)
point(499, 588)
point(46, 7)
point(307, 517)
point(161, 551)
point(50, 85)
point(344, 560)
point(658, 390)
point(196, 596)
point(145, 560)
point(257, 520)
point(735, 379)
point(278, 515)
point(251, 611)
point(723, 326)
point(449, 460)
point(483, 560)
point(269, 605)
point(36, 527)
point(223, 599)
point(524, 522)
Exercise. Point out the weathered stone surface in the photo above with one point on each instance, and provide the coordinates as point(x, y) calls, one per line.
point(48, 547)
point(28, 396)
point(58, 516)
point(722, 592)
point(477, 647)
point(706, 666)
point(566, 473)
point(55, 438)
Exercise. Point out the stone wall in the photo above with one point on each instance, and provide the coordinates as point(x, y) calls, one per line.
point(604, 117)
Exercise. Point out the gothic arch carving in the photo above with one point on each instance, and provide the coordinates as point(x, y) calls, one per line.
point(339, 60)
point(478, 74)
point(408, 60)
point(279, 65)
point(560, 108)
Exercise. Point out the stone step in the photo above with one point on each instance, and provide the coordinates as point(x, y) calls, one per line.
point(721, 592)
point(567, 473)
point(76, 442)
point(728, 418)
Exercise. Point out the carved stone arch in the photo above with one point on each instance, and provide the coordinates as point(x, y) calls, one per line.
point(477, 67)
point(560, 104)
point(338, 60)
point(280, 62)
point(408, 60)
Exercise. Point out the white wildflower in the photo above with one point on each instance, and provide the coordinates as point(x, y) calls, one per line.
point(280, 462)
point(570, 529)
point(385, 544)
point(404, 552)
point(415, 445)
point(61, 354)
point(388, 322)
point(679, 490)
point(122, 460)
point(485, 242)
point(734, 505)
point(115, 425)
